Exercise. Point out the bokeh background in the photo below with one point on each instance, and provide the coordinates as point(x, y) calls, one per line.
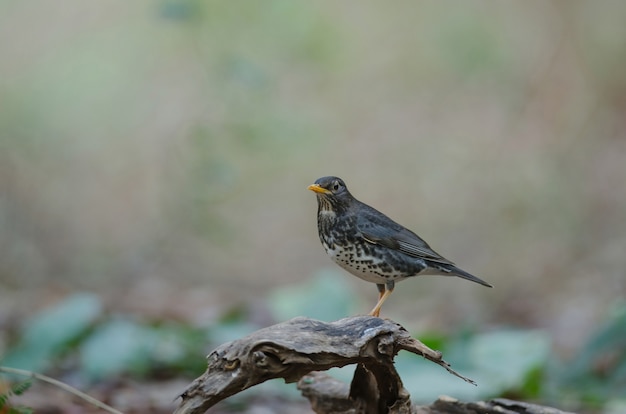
point(156, 154)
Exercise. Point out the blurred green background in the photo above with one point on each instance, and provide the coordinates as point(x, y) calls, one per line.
point(156, 154)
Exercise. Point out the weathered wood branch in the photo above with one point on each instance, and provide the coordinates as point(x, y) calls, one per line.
point(301, 346)
point(328, 395)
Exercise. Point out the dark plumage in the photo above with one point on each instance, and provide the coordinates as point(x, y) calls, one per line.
point(370, 245)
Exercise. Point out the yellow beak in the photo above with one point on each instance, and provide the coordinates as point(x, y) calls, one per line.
point(316, 188)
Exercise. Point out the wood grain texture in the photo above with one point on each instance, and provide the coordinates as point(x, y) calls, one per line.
point(296, 350)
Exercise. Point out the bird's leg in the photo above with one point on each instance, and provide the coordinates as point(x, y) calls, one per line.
point(381, 290)
point(383, 293)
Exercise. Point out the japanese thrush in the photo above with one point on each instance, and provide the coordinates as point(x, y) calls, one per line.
point(370, 245)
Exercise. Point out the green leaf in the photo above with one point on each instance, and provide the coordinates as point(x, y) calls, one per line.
point(15, 390)
point(498, 361)
point(115, 347)
point(326, 298)
point(598, 371)
point(3, 400)
point(21, 387)
point(48, 332)
point(504, 359)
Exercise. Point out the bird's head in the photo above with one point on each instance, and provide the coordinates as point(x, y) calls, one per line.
point(332, 193)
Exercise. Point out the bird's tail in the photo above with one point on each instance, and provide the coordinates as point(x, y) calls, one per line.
point(456, 271)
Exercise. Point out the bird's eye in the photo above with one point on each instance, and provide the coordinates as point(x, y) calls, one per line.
point(336, 186)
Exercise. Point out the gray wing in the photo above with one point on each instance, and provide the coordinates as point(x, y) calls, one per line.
point(379, 229)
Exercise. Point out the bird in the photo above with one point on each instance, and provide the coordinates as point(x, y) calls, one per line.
point(370, 245)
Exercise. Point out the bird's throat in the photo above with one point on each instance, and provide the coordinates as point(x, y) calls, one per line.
point(327, 214)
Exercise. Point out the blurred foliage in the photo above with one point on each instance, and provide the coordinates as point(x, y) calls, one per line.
point(502, 362)
point(325, 297)
point(51, 332)
point(597, 373)
point(77, 335)
point(171, 142)
point(513, 363)
point(9, 390)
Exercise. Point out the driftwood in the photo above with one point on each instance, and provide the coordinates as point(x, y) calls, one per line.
point(296, 349)
point(330, 396)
